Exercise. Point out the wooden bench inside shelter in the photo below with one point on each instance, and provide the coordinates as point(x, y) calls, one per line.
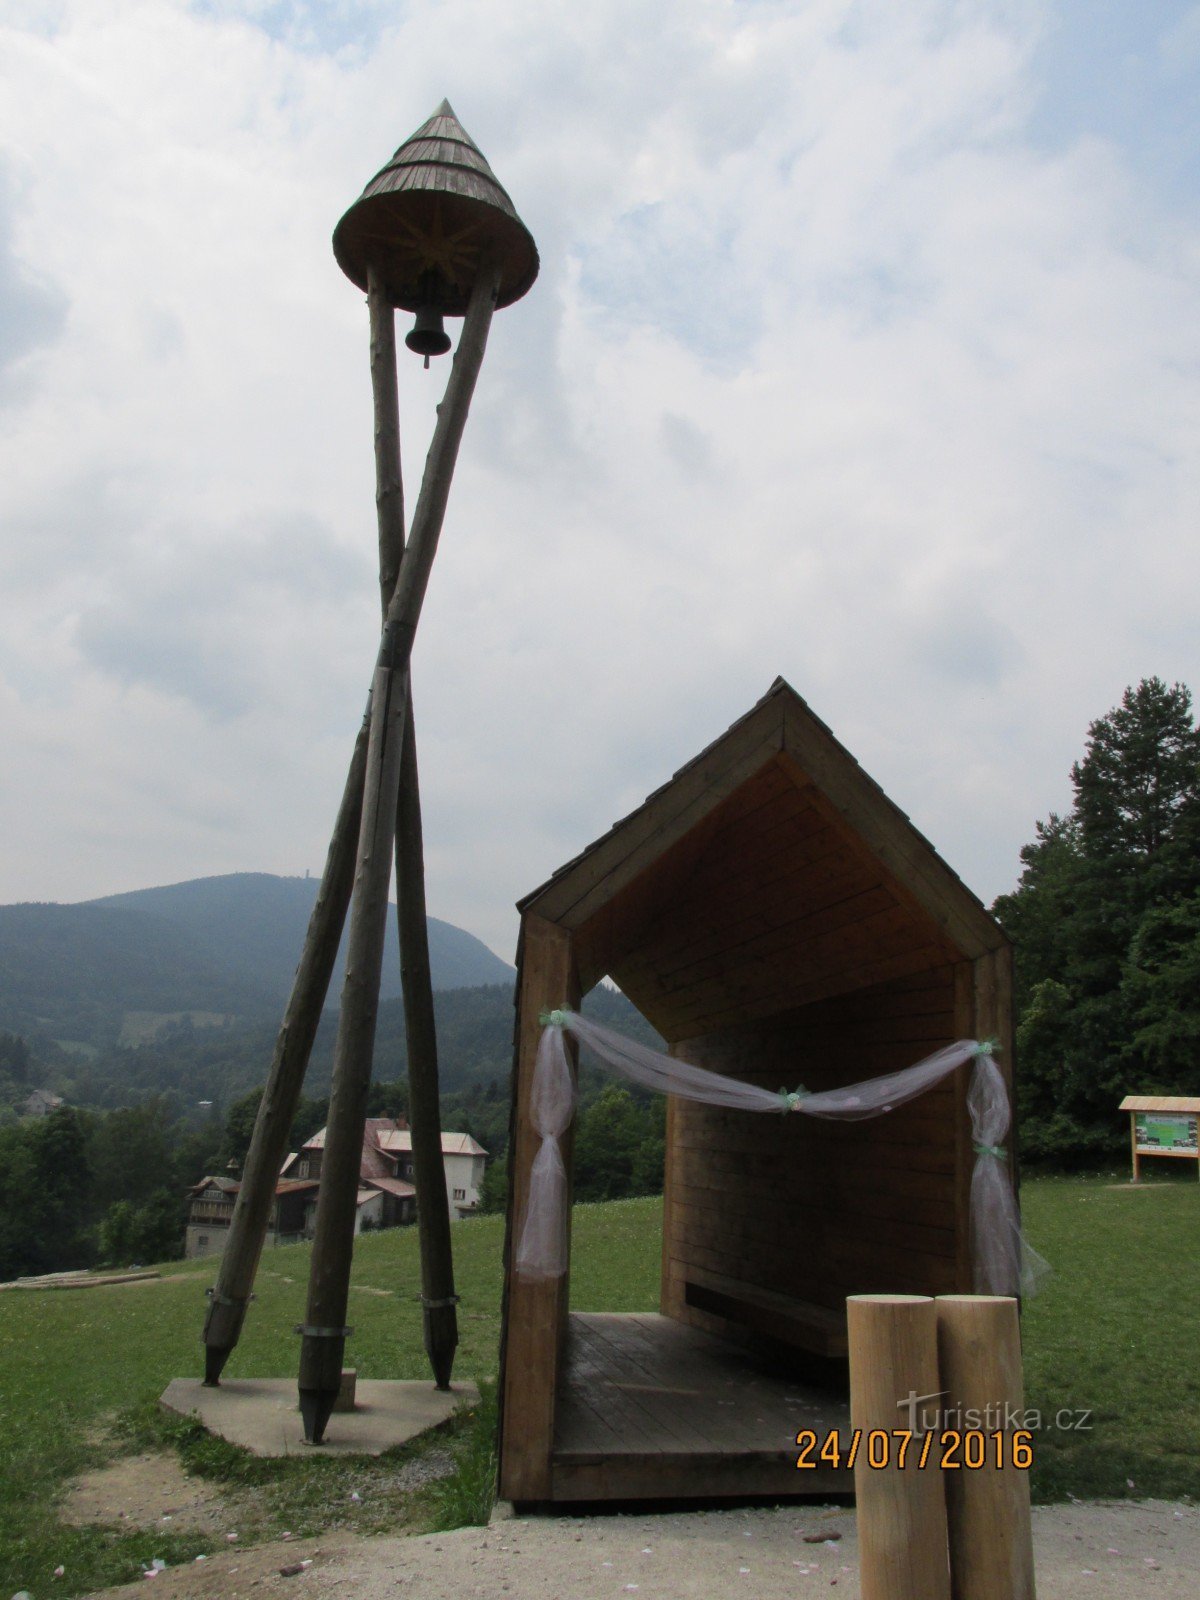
point(780, 1316)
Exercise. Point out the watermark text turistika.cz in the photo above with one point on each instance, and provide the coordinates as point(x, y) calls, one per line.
point(924, 1415)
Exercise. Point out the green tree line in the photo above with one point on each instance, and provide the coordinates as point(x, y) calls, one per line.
point(1105, 923)
point(93, 1185)
point(79, 1187)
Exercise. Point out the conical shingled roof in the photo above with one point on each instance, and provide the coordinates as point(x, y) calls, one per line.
point(434, 205)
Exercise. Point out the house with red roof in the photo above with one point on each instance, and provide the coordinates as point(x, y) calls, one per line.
point(387, 1195)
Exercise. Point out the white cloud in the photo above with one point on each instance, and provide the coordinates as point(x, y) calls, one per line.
point(832, 370)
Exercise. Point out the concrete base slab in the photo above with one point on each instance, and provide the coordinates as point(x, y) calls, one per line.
point(263, 1414)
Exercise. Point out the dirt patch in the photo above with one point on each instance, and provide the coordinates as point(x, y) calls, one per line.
point(149, 1491)
point(242, 1574)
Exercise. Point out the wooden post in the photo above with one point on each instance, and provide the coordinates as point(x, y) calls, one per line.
point(323, 1330)
point(979, 1357)
point(404, 608)
point(433, 1207)
point(230, 1295)
point(535, 1309)
point(901, 1509)
point(389, 483)
point(438, 1299)
point(1134, 1148)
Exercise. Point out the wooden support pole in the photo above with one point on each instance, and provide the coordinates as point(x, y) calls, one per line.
point(439, 1301)
point(323, 1331)
point(404, 609)
point(440, 1317)
point(979, 1358)
point(385, 399)
point(901, 1509)
point(293, 1046)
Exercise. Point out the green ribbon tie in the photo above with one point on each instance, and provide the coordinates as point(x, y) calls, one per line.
point(790, 1099)
point(997, 1150)
point(553, 1019)
point(986, 1047)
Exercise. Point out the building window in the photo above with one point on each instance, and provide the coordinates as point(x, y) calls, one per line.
point(460, 1194)
point(304, 1170)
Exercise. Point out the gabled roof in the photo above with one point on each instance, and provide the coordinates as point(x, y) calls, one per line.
point(393, 1139)
point(770, 871)
point(453, 1144)
point(376, 1131)
point(393, 1186)
point(375, 1162)
point(381, 1125)
point(228, 1186)
point(461, 1144)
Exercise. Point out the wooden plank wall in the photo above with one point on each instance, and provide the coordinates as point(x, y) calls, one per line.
point(815, 1209)
point(782, 901)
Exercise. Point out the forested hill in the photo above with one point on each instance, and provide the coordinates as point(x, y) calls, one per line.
point(105, 1176)
point(213, 948)
point(218, 1065)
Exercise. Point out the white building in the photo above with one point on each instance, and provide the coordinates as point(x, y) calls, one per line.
point(386, 1195)
point(463, 1159)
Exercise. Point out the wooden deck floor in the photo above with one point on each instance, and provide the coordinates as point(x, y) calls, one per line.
point(650, 1409)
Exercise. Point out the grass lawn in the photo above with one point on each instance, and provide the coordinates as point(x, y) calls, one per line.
point(81, 1372)
point(1115, 1331)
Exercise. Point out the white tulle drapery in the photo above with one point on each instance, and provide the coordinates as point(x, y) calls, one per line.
point(1004, 1262)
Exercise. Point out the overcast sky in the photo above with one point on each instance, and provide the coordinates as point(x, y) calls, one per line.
point(864, 352)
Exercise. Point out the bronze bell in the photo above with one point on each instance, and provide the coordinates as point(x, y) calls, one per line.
point(428, 337)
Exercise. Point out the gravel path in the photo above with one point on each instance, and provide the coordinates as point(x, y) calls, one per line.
point(1127, 1551)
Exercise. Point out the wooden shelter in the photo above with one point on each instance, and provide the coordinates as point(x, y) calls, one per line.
point(776, 918)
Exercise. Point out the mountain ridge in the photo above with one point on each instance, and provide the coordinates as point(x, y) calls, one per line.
point(226, 945)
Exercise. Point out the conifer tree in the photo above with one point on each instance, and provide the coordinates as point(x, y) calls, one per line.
point(1106, 924)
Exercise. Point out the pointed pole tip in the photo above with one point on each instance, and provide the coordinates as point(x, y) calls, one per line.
point(215, 1357)
point(316, 1408)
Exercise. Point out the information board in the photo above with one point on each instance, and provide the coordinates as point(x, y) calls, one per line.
point(1160, 1133)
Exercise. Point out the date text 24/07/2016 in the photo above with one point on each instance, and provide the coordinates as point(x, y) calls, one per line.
point(951, 1450)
